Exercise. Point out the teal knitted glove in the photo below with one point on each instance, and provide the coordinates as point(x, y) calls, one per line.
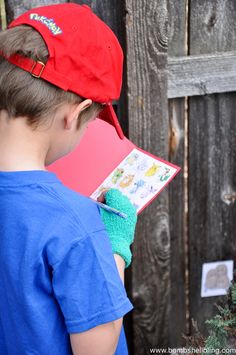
point(120, 230)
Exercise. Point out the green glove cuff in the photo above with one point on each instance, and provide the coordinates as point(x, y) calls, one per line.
point(120, 230)
point(122, 248)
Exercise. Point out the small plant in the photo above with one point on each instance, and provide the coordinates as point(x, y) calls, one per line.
point(222, 327)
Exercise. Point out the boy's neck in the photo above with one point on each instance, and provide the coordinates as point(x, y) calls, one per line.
point(20, 147)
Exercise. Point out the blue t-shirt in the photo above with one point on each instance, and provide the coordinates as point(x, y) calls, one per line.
point(58, 273)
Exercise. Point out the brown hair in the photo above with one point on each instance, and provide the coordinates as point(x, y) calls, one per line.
point(23, 95)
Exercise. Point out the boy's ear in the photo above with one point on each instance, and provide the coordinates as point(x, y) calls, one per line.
point(74, 113)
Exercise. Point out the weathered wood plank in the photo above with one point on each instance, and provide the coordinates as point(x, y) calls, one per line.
point(212, 26)
point(201, 74)
point(3, 20)
point(15, 8)
point(179, 282)
point(2, 8)
point(146, 26)
point(212, 175)
point(178, 312)
point(177, 30)
point(212, 163)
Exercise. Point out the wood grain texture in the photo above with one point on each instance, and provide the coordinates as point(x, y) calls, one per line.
point(2, 8)
point(212, 26)
point(177, 28)
point(15, 8)
point(146, 26)
point(201, 74)
point(179, 281)
point(3, 20)
point(178, 310)
point(212, 164)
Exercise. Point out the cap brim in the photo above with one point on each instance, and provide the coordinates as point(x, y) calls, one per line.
point(108, 114)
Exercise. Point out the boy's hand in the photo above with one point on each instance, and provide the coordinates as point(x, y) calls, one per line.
point(120, 230)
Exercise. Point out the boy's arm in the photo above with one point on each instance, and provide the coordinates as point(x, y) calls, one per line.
point(120, 263)
point(103, 339)
point(100, 340)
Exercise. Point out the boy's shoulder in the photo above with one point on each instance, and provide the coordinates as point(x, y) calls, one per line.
point(79, 209)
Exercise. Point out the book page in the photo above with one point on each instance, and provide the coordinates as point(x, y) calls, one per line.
point(139, 176)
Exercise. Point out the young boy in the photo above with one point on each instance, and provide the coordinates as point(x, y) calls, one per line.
point(62, 258)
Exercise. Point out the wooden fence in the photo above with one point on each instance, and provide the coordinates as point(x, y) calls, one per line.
point(178, 101)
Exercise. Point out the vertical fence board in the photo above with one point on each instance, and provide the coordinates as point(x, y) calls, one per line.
point(1, 14)
point(212, 163)
point(177, 232)
point(146, 26)
point(177, 47)
point(3, 20)
point(212, 223)
point(15, 8)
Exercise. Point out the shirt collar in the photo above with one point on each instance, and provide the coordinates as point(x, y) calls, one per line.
point(24, 177)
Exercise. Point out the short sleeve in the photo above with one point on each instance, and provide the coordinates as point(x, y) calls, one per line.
point(87, 284)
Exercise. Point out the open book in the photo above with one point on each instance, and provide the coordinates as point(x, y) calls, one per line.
point(102, 160)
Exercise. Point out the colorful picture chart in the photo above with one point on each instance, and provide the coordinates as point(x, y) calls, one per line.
point(140, 177)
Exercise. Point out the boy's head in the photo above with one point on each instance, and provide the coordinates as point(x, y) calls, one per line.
point(71, 61)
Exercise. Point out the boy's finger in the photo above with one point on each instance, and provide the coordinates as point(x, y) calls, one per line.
point(101, 198)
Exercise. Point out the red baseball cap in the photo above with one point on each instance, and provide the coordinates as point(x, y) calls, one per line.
point(85, 56)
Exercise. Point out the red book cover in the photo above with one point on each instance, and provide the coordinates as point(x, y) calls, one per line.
point(102, 160)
